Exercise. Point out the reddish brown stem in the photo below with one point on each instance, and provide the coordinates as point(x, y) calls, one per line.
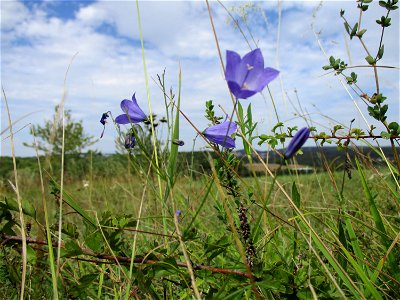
point(123, 259)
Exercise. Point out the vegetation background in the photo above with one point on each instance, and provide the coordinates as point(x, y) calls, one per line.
point(155, 223)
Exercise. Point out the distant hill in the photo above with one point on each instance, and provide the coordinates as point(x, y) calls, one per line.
point(313, 156)
point(196, 163)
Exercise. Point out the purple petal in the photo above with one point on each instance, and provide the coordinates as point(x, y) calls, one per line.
point(251, 65)
point(232, 63)
point(258, 81)
point(132, 109)
point(225, 141)
point(122, 119)
point(254, 59)
point(297, 142)
point(223, 129)
point(137, 110)
point(220, 134)
point(234, 88)
point(244, 94)
point(126, 106)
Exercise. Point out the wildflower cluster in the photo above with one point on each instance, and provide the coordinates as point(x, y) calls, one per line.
point(245, 77)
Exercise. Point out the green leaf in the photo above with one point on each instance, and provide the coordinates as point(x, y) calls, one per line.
point(279, 124)
point(364, 7)
point(249, 114)
point(362, 274)
point(354, 30)
point(377, 219)
point(370, 60)
point(385, 135)
point(94, 241)
point(175, 136)
point(386, 23)
point(27, 207)
point(384, 109)
point(381, 51)
point(347, 27)
point(394, 128)
point(72, 249)
point(30, 254)
point(70, 229)
point(295, 195)
point(361, 33)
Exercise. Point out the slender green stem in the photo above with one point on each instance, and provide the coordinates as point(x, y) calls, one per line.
point(47, 223)
point(148, 98)
point(19, 200)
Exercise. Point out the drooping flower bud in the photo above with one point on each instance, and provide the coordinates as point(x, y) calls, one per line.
point(297, 142)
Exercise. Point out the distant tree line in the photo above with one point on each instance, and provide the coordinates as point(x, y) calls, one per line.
point(79, 166)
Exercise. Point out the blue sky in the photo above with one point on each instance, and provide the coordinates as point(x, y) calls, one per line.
point(39, 39)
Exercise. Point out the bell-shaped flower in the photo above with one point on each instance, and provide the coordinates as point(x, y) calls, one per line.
point(132, 112)
point(247, 76)
point(130, 141)
point(221, 134)
point(297, 142)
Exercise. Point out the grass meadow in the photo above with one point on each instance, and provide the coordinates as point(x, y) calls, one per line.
point(150, 223)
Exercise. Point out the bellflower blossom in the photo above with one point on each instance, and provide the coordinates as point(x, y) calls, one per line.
point(132, 112)
point(247, 76)
point(220, 133)
point(178, 214)
point(297, 142)
point(130, 141)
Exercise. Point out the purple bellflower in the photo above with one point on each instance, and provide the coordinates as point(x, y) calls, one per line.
point(297, 142)
point(247, 76)
point(130, 141)
point(132, 112)
point(220, 133)
point(178, 214)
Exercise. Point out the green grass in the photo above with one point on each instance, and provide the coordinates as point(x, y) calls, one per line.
point(114, 201)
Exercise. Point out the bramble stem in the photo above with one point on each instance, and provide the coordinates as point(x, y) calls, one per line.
point(124, 259)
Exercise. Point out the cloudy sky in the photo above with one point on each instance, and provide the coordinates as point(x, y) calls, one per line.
point(40, 38)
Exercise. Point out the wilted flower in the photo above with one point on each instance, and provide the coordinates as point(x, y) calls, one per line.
point(130, 141)
point(297, 142)
point(220, 133)
point(132, 112)
point(178, 142)
point(247, 76)
point(104, 118)
point(103, 121)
